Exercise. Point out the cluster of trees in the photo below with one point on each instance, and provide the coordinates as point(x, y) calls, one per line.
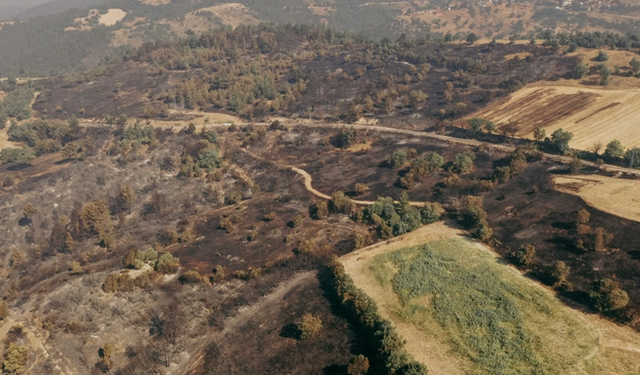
point(420, 168)
point(228, 81)
point(397, 218)
point(163, 264)
point(591, 39)
point(17, 102)
point(588, 238)
point(517, 164)
point(16, 352)
point(381, 336)
point(44, 136)
point(615, 152)
point(474, 217)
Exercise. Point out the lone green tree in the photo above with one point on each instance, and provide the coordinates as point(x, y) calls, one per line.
point(614, 150)
point(605, 74)
point(560, 140)
point(539, 134)
point(579, 70)
point(472, 38)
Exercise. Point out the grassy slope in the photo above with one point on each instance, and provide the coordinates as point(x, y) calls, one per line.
point(491, 315)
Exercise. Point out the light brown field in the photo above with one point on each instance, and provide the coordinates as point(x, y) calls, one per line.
point(112, 17)
point(608, 349)
point(591, 114)
point(616, 196)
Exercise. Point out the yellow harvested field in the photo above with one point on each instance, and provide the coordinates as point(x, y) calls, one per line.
point(574, 342)
point(112, 17)
point(616, 196)
point(591, 114)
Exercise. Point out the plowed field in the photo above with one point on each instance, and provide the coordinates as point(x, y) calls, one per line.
point(592, 115)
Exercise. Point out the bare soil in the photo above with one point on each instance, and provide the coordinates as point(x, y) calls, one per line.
point(616, 196)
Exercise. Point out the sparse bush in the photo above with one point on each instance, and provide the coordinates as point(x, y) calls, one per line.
point(559, 273)
point(309, 326)
point(76, 268)
point(397, 159)
point(9, 180)
point(361, 189)
point(579, 71)
point(219, 274)
point(539, 134)
point(525, 254)
point(340, 203)
point(15, 358)
point(582, 218)
point(361, 240)
point(575, 166)
point(192, 277)
point(228, 225)
point(320, 209)
point(431, 212)
point(602, 56)
point(306, 247)
point(463, 162)
point(346, 137)
point(297, 221)
point(167, 264)
point(270, 216)
point(359, 365)
point(606, 295)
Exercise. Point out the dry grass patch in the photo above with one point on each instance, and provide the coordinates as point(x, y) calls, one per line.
point(360, 147)
point(112, 17)
point(615, 196)
point(230, 14)
point(463, 311)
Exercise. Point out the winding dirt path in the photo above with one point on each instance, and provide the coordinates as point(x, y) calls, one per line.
point(308, 181)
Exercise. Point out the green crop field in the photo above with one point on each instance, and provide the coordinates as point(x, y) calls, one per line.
point(493, 317)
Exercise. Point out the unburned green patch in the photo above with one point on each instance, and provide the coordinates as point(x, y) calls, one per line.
point(491, 315)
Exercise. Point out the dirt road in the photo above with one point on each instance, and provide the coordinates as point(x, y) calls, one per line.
point(422, 134)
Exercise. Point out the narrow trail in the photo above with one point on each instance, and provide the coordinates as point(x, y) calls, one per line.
point(245, 314)
point(308, 181)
